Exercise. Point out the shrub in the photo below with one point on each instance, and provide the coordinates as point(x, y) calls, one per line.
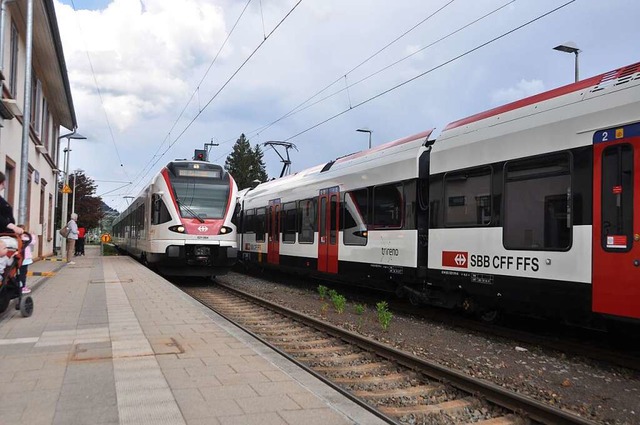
point(384, 315)
point(339, 302)
point(322, 290)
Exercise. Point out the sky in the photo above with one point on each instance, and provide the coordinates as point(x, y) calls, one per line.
point(153, 80)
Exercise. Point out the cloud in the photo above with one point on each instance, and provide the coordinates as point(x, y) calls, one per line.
point(522, 89)
point(140, 55)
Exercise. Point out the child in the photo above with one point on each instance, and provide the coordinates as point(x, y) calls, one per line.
point(4, 259)
point(28, 259)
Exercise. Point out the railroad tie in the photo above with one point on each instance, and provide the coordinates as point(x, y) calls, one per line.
point(444, 407)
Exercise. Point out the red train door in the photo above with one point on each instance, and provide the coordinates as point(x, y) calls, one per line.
point(328, 225)
point(273, 232)
point(616, 223)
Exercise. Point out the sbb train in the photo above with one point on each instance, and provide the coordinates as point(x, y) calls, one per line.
point(531, 208)
point(181, 223)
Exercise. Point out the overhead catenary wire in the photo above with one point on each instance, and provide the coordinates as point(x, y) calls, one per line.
point(301, 106)
point(442, 64)
point(104, 110)
point(178, 137)
point(422, 74)
point(196, 90)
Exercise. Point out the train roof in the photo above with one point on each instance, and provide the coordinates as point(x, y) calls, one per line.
point(377, 154)
point(584, 89)
point(559, 119)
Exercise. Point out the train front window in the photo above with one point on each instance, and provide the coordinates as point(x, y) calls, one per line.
point(201, 199)
point(537, 203)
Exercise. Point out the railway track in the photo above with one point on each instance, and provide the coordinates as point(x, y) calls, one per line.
point(396, 386)
point(569, 340)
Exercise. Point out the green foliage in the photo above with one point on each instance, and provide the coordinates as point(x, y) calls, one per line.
point(88, 207)
point(246, 164)
point(332, 293)
point(359, 309)
point(109, 250)
point(339, 302)
point(384, 315)
point(322, 290)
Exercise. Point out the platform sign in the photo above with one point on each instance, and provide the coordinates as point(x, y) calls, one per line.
point(105, 238)
point(66, 189)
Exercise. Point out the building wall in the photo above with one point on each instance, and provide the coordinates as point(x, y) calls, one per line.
point(44, 132)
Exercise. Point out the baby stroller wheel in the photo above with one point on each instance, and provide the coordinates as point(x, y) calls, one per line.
point(26, 306)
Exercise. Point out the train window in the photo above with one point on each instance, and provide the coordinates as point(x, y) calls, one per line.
point(308, 210)
point(468, 197)
point(260, 224)
point(617, 198)
point(249, 222)
point(354, 225)
point(387, 206)
point(537, 203)
point(159, 211)
point(333, 220)
point(289, 227)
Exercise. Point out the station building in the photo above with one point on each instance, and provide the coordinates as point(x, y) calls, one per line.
point(39, 96)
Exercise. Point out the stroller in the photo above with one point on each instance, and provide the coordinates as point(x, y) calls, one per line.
point(10, 285)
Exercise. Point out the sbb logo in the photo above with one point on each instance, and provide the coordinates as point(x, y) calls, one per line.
point(455, 259)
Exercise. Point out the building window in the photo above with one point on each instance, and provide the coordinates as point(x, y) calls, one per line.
point(537, 202)
point(9, 186)
point(46, 131)
point(13, 76)
point(36, 95)
point(468, 197)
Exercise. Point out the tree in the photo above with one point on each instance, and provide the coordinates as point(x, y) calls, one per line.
point(88, 206)
point(245, 164)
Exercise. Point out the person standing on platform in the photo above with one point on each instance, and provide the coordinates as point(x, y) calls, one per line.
point(80, 244)
point(7, 222)
point(72, 237)
point(28, 259)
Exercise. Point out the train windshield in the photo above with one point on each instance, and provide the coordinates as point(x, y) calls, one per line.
point(201, 198)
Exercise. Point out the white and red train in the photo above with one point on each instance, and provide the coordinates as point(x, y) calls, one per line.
point(532, 207)
point(181, 223)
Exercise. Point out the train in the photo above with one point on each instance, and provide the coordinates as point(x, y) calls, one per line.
point(182, 223)
point(528, 208)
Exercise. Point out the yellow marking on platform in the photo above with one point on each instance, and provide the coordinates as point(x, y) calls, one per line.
point(41, 274)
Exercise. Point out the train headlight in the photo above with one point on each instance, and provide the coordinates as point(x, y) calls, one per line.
point(224, 230)
point(178, 229)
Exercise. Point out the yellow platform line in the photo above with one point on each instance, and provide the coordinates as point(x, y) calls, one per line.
point(41, 274)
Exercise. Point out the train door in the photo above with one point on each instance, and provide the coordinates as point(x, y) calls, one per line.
point(616, 223)
point(328, 225)
point(273, 232)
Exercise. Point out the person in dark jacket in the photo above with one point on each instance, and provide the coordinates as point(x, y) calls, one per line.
point(7, 222)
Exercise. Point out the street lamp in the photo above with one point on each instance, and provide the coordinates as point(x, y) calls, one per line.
point(73, 198)
point(366, 130)
point(570, 47)
point(65, 194)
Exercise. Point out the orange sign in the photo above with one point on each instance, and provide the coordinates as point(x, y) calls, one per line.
point(105, 238)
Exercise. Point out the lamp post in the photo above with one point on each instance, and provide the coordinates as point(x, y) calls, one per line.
point(73, 196)
point(570, 47)
point(366, 130)
point(65, 195)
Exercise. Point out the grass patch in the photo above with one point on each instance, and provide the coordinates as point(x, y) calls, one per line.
point(108, 250)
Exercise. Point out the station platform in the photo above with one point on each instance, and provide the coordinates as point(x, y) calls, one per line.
point(110, 342)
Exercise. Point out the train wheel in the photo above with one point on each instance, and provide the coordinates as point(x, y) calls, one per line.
point(26, 306)
point(468, 306)
point(490, 316)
